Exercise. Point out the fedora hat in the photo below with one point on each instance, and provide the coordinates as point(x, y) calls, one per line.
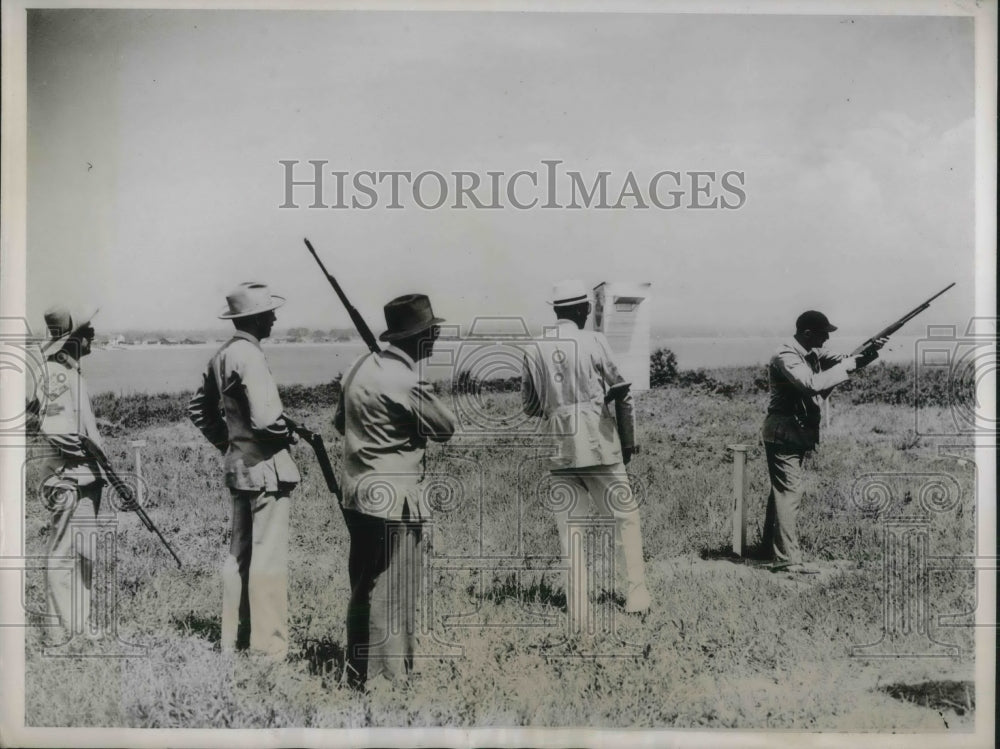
point(61, 327)
point(408, 315)
point(568, 293)
point(250, 298)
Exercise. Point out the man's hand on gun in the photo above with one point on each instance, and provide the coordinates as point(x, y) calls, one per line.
point(290, 434)
point(283, 429)
point(870, 353)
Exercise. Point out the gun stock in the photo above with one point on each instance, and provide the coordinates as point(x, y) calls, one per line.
point(315, 441)
point(891, 329)
point(359, 322)
point(125, 492)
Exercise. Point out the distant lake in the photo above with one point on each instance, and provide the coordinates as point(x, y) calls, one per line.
point(169, 369)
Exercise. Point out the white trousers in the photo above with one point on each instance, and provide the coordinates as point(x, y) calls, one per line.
point(589, 505)
point(255, 574)
point(72, 550)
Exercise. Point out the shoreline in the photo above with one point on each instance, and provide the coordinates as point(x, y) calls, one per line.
point(175, 368)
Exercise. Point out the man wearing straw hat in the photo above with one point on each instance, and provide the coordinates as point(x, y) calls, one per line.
point(72, 482)
point(238, 409)
point(387, 413)
point(572, 382)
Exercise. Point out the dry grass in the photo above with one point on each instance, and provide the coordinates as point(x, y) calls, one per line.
point(726, 645)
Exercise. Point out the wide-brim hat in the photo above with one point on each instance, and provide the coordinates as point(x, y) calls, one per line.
point(408, 315)
point(250, 298)
point(62, 325)
point(568, 293)
point(815, 321)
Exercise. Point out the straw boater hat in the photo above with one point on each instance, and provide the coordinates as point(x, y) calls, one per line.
point(568, 293)
point(408, 315)
point(62, 326)
point(250, 298)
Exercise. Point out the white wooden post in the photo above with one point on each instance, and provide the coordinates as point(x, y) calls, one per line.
point(138, 445)
point(739, 499)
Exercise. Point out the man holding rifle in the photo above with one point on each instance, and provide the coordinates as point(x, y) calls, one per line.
point(387, 413)
point(238, 409)
point(800, 376)
point(574, 384)
point(72, 480)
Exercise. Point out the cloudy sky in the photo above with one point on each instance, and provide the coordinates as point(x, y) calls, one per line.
point(155, 137)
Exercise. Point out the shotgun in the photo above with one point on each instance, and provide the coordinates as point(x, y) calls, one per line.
point(356, 318)
point(123, 490)
point(890, 329)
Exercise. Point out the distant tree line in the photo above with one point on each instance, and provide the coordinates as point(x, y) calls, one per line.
point(307, 334)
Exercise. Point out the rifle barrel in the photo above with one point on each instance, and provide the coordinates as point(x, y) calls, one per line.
point(356, 318)
point(891, 329)
point(939, 293)
point(149, 525)
point(125, 492)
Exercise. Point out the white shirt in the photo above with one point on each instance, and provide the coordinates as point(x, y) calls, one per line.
point(66, 415)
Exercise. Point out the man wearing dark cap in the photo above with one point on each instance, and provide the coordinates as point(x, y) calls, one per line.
point(800, 376)
point(386, 413)
point(238, 409)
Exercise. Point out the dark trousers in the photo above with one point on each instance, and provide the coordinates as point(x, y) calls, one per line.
point(385, 567)
point(784, 467)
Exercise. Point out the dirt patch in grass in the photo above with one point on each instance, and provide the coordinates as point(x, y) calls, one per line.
point(958, 696)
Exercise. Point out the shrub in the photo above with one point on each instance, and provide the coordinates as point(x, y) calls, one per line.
point(139, 410)
point(468, 384)
point(662, 368)
point(898, 384)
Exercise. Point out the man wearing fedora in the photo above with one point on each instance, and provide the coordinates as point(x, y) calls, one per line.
point(573, 383)
point(71, 481)
point(238, 409)
point(386, 413)
point(800, 375)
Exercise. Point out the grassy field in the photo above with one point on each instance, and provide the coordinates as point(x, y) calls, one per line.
point(727, 644)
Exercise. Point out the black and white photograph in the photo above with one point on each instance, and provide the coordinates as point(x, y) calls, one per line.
point(556, 374)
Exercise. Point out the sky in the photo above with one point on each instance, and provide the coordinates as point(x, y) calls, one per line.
point(154, 142)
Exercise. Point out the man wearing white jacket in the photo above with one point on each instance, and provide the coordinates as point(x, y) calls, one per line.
point(572, 382)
